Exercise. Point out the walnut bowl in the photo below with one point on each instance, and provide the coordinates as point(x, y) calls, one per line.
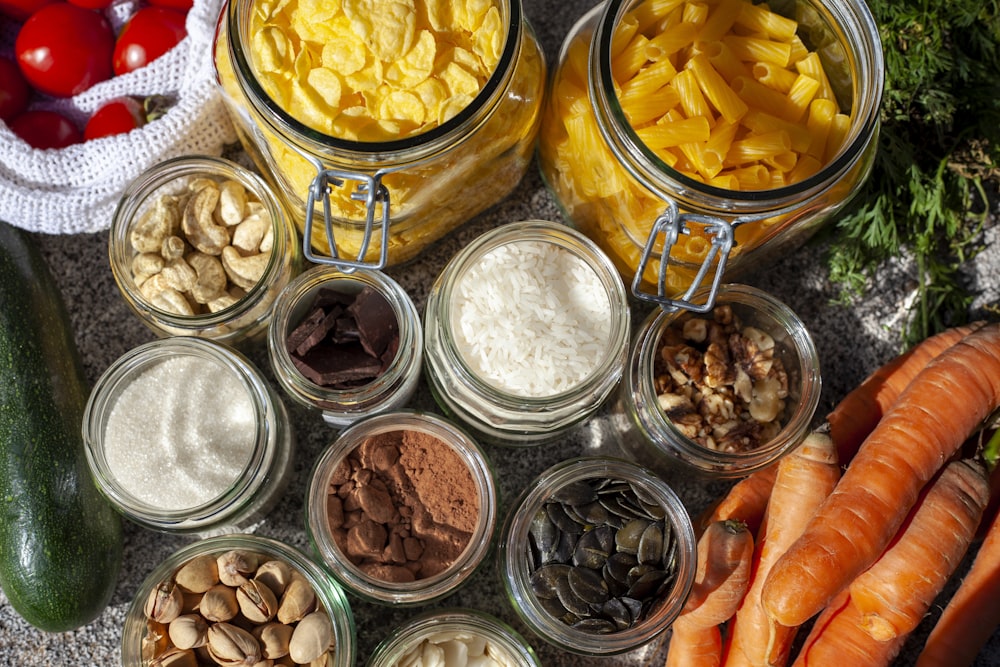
point(723, 392)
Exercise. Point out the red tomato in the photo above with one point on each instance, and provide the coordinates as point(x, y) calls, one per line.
point(92, 4)
point(179, 5)
point(45, 129)
point(14, 91)
point(118, 116)
point(151, 32)
point(20, 10)
point(63, 49)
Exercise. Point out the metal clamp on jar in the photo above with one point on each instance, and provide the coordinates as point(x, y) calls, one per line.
point(695, 143)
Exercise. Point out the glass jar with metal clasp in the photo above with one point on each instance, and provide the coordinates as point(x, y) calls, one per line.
point(693, 144)
point(382, 141)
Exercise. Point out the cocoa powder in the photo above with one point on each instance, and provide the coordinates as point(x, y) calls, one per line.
point(402, 505)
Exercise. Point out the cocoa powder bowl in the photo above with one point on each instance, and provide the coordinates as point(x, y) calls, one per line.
point(402, 508)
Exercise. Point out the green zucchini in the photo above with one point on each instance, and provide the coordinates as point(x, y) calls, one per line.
point(61, 542)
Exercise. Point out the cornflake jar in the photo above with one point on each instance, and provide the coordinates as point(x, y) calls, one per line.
point(525, 332)
point(619, 519)
point(489, 642)
point(723, 411)
point(200, 246)
point(384, 129)
point(217, 567)
point(375, 368)
point(184, 435)
point(402, 508)
point(691, 141)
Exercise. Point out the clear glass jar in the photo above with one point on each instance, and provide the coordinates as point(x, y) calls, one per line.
point(479, 394)
point(668, 227)
point(148, 241)
point(385, 200)
point(503, 643)
point(649, 435)
point(137, 637)
point(222, 469)
point(436, 431)
point(527, 530)
point(396, 382)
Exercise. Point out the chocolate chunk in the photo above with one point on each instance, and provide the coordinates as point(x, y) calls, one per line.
point(319, 332)
point(304, 328)
point(347, 364)
point(377, 323)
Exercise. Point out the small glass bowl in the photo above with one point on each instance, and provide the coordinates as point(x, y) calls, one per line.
point(397, 381)
point(244, 312)
point(139, 634)
point(529, 532)
point(435, 586)
point(503, 643)
point(649, 435)
point(230, 499)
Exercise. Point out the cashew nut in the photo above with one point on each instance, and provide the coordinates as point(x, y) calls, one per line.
point(251, 231)
point(144, 265)
point(173, 247)
point(198, 224)
point(155, 225)
point(232, 202)
point(244, 271)
point(227, 299)
point(161, 295)
point(211, 277)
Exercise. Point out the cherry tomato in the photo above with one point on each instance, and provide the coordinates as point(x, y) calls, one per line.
point(92, 4)
point(45, 129)
point(118, 116)
point(63, 49)
point(20, 10)
point(151, 32)
point(14, 91)
point(179, 5)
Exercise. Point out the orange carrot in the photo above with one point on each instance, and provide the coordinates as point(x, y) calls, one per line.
point(972, 614)
point(745, 501)
point(804, 479)
point(897, 590)
point(693, 645)
point(933, 416)
point(725, 551)
point(836, 638)
point(856, 415)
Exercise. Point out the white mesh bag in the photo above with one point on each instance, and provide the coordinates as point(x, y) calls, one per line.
point(75, 189)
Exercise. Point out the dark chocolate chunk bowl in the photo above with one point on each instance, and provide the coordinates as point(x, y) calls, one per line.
point(347, 344)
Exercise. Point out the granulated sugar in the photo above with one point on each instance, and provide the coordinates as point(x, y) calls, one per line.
point(180, 434)
point(531, 318)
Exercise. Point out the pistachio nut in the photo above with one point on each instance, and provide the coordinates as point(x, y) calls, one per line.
point(257, 602)
point(276, 574)
point(175, 657)
point(164, 602)
point(298, 599)
point(198, 574)
point(219, 603)
point(311, 638)
point(237, 566)
point(273, 638)
point(188, 631)
point(230, 645)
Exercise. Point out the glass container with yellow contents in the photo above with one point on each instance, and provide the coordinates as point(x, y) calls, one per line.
point(693, 139)
point(384, 123)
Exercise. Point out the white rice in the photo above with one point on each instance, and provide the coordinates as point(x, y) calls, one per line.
point(531, 319)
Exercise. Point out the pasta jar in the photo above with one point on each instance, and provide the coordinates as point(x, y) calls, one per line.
point(201, 246)
point(696, 141)
point(383, 125)
point(185, 435)
point(197, 605)
point(402, 508)
point(481, 638)
point(721, 393)
point(525, 332)
point(616, 542)
point(349, 344)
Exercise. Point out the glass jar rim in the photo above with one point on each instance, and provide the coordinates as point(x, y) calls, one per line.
point(863, 42)
point(515, 571)
point(122, 372)
point(419, 591)
point(305, 136)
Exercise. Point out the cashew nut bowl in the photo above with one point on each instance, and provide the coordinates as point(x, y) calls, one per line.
point(201, 246)
point(237, 598)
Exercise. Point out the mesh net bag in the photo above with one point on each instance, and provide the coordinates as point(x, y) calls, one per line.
point(75, 189)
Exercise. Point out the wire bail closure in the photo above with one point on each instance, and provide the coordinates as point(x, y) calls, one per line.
point(370, 190)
